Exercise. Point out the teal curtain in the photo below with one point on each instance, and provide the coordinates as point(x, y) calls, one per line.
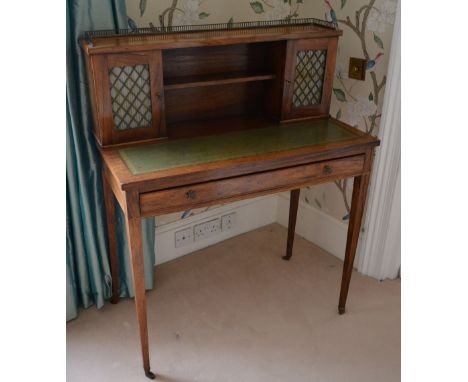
point(87, 266)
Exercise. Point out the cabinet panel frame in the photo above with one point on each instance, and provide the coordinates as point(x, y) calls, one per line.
point(108, 134)
point(288, 111)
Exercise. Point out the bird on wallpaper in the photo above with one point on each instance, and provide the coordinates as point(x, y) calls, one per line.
point(330, 15)
point(131, 23)
point(371, 63)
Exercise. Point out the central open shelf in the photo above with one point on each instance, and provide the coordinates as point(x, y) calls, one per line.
point(214, 79)
point(238, 82)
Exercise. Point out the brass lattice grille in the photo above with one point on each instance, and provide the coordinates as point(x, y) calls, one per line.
point(131, 96)
point(309, 76)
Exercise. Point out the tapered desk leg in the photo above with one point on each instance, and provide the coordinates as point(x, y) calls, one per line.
point(110, 217)
point(361, 184)
point(293, 205)
point(138, 273)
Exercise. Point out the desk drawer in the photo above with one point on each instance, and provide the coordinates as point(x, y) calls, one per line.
point(248, 186)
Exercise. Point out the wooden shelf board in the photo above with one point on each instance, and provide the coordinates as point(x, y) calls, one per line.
point(214, 79)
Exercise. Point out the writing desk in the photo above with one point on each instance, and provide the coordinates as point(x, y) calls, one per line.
point(154, 179)
point(187, 118)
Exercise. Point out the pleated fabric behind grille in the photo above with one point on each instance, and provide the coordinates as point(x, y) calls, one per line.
point(308, 80)
point(130, 91)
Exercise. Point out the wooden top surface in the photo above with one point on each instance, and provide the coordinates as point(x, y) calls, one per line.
point(205, 38)
point(185, 161)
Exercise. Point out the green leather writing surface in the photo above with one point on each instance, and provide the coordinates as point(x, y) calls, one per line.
point(233, 145)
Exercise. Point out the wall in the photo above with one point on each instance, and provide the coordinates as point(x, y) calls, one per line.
point(367, 30)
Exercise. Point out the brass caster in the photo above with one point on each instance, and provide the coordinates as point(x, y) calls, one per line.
point(150, 374)
point(114, 300)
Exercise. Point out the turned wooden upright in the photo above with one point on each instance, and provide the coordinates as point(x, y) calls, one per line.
point(193, 116)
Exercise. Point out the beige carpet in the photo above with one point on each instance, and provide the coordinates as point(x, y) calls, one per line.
point(237, 312)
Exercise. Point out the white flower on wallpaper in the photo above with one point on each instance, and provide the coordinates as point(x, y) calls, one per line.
point(379, 18)
point(187, 12)
point(341, 71)
point(277, 10)
point(360, 108)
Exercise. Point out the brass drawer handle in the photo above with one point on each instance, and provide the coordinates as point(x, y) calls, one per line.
point(191, 194)
point(327, 170)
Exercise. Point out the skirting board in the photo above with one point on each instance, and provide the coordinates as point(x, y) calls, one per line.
point(315, 226)
point(251, 214)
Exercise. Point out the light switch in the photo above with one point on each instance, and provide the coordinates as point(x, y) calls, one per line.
point(357, 68)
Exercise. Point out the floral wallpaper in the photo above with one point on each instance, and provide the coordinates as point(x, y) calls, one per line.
point(367, 32)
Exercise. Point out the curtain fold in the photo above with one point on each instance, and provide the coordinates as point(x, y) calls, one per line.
point(87, 263)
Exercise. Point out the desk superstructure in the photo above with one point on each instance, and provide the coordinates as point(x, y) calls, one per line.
point(193, 116)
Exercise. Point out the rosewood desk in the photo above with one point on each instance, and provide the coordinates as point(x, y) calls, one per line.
point(193, 116)
point(160, 178)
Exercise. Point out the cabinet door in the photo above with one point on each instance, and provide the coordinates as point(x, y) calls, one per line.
point(129, 97)
point(309, 70)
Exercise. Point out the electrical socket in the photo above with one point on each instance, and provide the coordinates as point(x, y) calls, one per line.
point(183, 237)
point(207, 229)
point(228, 221)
